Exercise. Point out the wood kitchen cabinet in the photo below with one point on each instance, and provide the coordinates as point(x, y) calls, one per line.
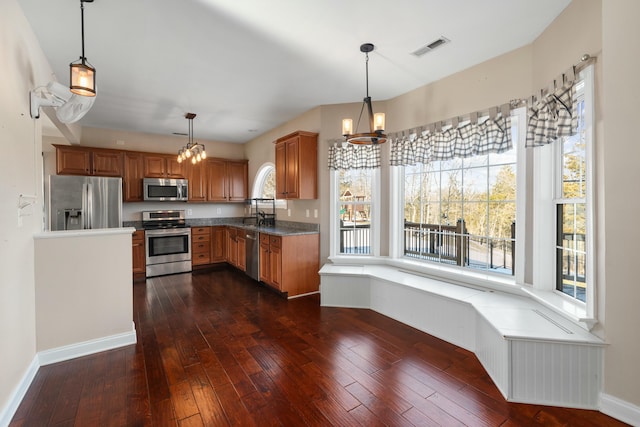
point(297, 166)
point(133, 174)
point(290, 264)
point(227, 180)
point(88, 161)
point(139, 255)
point(207, 246)
point(163, 166)
point(218, 244)
point(197, 176)
point(200, 246)
point(236, 248)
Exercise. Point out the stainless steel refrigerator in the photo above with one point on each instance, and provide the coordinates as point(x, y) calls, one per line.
point(79, 202)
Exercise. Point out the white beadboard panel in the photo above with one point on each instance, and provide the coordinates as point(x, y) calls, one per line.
point(552, 373)
point(447, 319)
point(344, 291)
point(493, 352)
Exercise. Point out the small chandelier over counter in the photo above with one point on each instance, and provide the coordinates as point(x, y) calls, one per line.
point(82, 73)
point(376, 121)
point(193, 150)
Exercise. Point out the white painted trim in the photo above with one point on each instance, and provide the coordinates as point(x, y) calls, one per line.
point(84, 233)
point(85, 348)
point(620, 409)
point(18, 393)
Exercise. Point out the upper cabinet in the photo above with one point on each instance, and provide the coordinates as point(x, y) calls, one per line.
point(297, 166)
point(163, 166)
point(88, 161)
point(133, 176)
point(227, 180)
point(197, 176)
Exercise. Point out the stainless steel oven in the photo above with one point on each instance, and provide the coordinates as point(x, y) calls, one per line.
point(168, 242)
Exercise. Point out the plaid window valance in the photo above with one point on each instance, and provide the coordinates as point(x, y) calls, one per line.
point(553, 117)
point(471, 139)
point(348, 156)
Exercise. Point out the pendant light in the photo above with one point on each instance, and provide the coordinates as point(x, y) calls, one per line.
point(376, 121)
point(82, 73)
point(192, 151)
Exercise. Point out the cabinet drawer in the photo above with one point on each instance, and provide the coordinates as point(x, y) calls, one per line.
point(200, 258)
point(200, 230)
point(275, 241)
point(200, 238)
point(138, 236)
point(264, 238)
point(200, 247)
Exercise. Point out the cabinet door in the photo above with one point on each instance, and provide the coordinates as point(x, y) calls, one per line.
point(237, 175)
point(196, 174)
point(154, 166)
point(217, 180)
point(292, 168)
point(242, 252)
point(72, 161)
point(281, 172)
point(139, 260)
point(275, 266)
point(174, 169)
point(265, 272)
point(218, 246)
point(133, 173)
point(106, 163)
point(232, 247)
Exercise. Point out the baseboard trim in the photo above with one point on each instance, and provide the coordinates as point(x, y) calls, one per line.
point(620, 409)
point(85, 348)
point(18, 393)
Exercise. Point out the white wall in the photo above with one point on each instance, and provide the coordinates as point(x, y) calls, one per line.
point(23, 68)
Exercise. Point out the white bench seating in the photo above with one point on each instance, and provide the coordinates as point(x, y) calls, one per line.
point(532, 354)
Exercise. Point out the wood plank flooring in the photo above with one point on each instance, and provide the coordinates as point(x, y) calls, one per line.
point(216, 349)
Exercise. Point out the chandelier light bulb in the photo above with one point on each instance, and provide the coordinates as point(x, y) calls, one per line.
point(187, 153)
point(179, 158)
point(193, 160)
point(198, 158)
point(203, 155)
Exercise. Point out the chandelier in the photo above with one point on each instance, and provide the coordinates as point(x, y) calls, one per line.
point(376, 121)
point(193, 150)
point(82, 73)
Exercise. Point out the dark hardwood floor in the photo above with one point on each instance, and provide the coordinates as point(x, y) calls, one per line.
point(217, 349)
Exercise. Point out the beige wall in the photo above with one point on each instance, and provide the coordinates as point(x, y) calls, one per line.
point(83, 287)
point(23, 68)
point(620, 96)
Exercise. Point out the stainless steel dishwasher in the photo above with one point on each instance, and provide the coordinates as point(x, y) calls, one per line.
point(253, 254)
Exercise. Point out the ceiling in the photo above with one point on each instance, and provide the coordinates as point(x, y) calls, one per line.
point(247, 66)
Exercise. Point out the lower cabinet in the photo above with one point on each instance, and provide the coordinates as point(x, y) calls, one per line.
point(290, 264)
point(236, 248)
point(207, 245)
point(139, 256)
point(200, 246)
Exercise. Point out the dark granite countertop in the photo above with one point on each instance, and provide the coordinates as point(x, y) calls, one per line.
point(282, 228)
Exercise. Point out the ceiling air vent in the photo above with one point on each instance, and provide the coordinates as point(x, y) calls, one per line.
point(428, 48)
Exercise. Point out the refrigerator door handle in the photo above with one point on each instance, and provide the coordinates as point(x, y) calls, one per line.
point(88, 192)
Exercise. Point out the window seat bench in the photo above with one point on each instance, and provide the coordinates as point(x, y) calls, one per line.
point(532, 354)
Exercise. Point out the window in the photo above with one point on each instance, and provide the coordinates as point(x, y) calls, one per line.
point(463, 211)
point(264, 186)
point(355, 194)
point(571, 206)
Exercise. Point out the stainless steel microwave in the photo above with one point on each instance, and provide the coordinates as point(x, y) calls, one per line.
point(165, 190)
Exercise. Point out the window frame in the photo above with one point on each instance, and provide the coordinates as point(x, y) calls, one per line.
point(334, 224)
point(454, 272)
point(258, 184)
point(545, 201)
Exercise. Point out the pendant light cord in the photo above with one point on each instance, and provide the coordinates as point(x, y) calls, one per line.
point(82, 28)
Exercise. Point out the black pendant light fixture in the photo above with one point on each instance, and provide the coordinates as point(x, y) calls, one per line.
point(82, 73)
point(193, 151)
point(376, 121)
